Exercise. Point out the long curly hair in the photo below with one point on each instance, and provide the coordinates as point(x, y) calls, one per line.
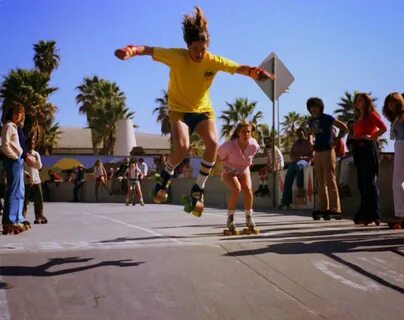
point(195, 27)
point(398, 101)
point(369, 104)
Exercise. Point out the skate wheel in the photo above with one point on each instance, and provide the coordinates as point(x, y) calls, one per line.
point(338, 218)
point(256, 231)
point(36, 221)
point(246, 231)
point(226, 232)
point(326, 217)
point(199, 206)
point(394, 226)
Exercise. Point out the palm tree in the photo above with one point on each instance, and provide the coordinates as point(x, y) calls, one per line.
point(104, 105)
point(46, 59)
point(240, 110)
point(292, 122)
point(52, 135)
point(346, 110)
point(31, 89)
point(87, 102)
point(162, 111)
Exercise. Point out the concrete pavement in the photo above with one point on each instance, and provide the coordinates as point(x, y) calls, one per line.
point(109, 261)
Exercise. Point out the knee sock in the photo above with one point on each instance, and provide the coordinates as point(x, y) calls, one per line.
point(248, 212)
point(230, 212)
point(204, 170)
point(169, 168)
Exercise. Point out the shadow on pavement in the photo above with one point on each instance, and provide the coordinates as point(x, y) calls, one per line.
point(42, 270)
point(354, 244)
point(126, 239)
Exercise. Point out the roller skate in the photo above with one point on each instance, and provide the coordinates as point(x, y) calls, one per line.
point(395, 225)
point(326, 215)
point(15, 228)
point(194, 203)
point(40, 219)
point(162, 181)
point(251, 227)
point(258, 192)
point(26, 224)
point(231, 227)
point(368, 222)
point(265, 191)
point(284, 206)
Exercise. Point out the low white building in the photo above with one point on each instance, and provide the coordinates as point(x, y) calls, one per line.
point(76, 140)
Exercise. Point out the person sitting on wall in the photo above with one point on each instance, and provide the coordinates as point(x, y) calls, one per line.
point(301, 156)
point(263, 190)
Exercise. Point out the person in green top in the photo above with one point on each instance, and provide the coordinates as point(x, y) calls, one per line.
point(192, 71)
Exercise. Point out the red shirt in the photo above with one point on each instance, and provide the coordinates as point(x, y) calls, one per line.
point(368, 126)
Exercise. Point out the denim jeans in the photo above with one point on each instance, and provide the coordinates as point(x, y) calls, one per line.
point(14, 198)
point(295, 169)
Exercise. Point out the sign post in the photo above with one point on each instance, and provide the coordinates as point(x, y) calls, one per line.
point(274, 89)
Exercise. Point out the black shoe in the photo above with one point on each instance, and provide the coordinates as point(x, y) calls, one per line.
point(258, 192)
point(265, 192)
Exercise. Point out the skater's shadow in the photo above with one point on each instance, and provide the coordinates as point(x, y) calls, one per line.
point(126, 239)
point(310, 235)
point(331, 248)
point(4, 286)
point(43, 269)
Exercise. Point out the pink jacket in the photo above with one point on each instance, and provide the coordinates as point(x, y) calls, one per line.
point(234, 158)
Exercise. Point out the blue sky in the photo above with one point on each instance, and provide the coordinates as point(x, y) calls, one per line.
point(329, 47)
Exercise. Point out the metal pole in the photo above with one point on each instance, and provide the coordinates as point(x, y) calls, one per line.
point(279, 133)
point(273, 136)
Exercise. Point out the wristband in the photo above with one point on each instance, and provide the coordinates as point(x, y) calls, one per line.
point(254, 73)
point(131, 51)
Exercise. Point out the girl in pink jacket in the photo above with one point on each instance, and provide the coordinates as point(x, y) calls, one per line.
point(236, 156)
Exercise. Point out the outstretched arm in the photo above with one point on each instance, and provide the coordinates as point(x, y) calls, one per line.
point(131, 50)
point(255, 73)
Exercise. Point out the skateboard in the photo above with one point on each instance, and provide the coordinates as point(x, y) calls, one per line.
point(326, 215)
point(195, 211)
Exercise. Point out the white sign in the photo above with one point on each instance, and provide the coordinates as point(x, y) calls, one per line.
point(283, 77)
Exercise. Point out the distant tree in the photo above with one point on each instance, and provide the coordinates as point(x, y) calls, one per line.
point(52, 136)
point(104, 105)
point(292, 122)
point(46, 58)
point(238, 111)
point(162, 113)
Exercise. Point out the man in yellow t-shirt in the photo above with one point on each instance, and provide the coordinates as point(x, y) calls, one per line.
point(192, 71)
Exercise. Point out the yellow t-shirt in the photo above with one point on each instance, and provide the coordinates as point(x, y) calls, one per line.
point(188, 88)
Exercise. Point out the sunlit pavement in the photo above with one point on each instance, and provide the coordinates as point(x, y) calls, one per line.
point(109, 261)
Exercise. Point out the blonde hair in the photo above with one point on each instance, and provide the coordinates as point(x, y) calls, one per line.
point(195, 27)
point(240, 126)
